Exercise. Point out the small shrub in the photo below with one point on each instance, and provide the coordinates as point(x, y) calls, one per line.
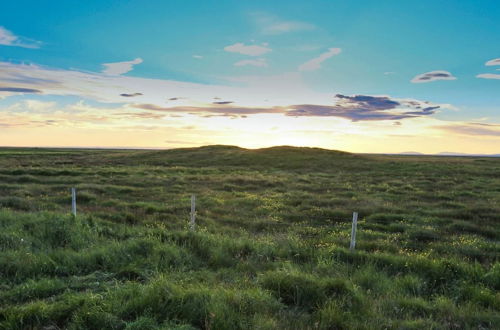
point(384, 218)
point(405, 307)
point(372, 280)
point(332, 316)
point(423, 235)
point(303, 290)
point(294, 288)
point(492, 277)
point(410, 284)
point(15, 203)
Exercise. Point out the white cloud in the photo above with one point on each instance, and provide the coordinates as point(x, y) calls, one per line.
point(102, 87)
point(488, 76)
point(199, 57)
point(31, 106)
point(433, 76)
point(35, 113)
point(492, 62)
point(260, 62)
point(251, 50)
point(286, 26)
point(7, 38)
point(495, 61)
point(39, 106)
point(119, 68)
point(272, 25)
point(258, 90)
point(315, 63)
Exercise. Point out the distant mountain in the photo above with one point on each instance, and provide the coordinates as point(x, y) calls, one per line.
point(415, 153)
point(450, 153)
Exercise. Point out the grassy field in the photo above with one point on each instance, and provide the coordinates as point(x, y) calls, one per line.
point(270, 250)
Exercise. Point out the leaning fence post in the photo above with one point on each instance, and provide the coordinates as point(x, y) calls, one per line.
point(73, 201)
point(193, 212)
point(353, 230)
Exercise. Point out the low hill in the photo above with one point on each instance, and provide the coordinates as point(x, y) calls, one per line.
point(283, 157)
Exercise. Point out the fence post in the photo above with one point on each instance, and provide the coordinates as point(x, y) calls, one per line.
point(353, 230)
point(73, 201)
point(193, 212)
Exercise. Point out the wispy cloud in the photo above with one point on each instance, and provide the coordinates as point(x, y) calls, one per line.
point(30, 106)
point(35, 113)
point(198, 57)
point(251, 50)
point(131, 94)
point(140, 115)
point(272, 25)
point(473, 129)
point(19, 90)
point(281, 94)
point(433, 76)
point(7, 38)
point(222, 108)
point(260, 62)
point(495, 61)
point(119, 68)
point(488, 76)
point(315, 63)
point(31, 78)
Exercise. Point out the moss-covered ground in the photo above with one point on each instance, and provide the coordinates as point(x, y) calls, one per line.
point(270, 249)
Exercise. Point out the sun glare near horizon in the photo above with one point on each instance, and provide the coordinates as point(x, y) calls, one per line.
point(360, 77)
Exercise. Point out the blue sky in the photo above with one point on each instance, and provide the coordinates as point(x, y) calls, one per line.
point(283, 54)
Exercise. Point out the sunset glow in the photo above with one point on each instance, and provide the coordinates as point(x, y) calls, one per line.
point(360, 76)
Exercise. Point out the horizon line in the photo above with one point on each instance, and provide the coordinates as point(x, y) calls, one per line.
point(402, 153)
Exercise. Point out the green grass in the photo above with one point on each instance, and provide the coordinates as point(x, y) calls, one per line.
point(271, 246)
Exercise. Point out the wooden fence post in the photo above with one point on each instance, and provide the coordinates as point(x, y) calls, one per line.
point(353, 230)
point(73, 201)
point(193, 212)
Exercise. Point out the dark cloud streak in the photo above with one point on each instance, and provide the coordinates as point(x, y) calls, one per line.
point(433, 76)
point(20, 90)
point(223, 102)
point(355, 108)
point(364, 107)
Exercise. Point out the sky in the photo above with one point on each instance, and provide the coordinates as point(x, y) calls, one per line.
point(360, 76)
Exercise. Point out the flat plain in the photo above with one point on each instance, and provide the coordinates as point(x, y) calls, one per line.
point(271, 245)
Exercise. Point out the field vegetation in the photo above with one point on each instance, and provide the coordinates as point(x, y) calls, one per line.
point(271, 245)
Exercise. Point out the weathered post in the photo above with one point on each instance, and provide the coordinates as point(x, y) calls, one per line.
point(73, 201)
point(353, 230)
point(193, 212)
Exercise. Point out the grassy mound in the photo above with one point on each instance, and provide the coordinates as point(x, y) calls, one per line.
point(271, 246)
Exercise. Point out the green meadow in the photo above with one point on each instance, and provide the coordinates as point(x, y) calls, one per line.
point(271, 245)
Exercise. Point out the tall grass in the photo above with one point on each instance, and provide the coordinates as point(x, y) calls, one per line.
point(271, 246)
